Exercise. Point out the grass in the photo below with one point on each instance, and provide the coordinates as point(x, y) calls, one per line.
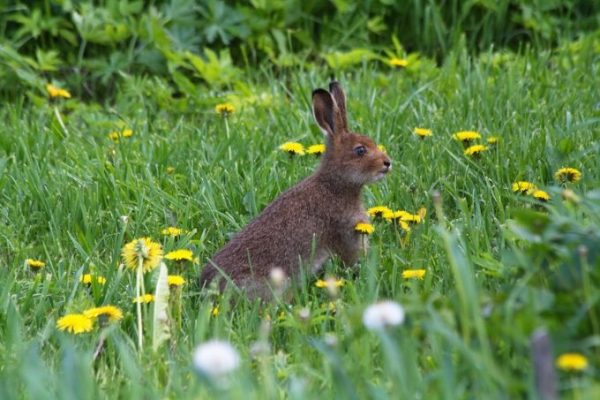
point(490, 280)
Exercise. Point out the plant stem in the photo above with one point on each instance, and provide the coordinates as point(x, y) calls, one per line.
point(139, 292)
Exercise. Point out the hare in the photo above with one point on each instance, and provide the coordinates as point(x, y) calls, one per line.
point(314, 219)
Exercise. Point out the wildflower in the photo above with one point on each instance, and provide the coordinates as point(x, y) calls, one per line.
point(364, 228)
point(398, 216)
point(292, 148)
point(172, 231)
point(170, 170)
point(572, 362)
point(475, 150)
point(567, 175)
point(175, 280)
point(316, 149)
point(109, 313)
point(115, 136)
point(523, 187)
point(413, 273)
point(383, 314)
point(422, 132)
point(466, 136)
point(410, 218)
point(54, 91)
point(75, 323)
point(214, 311)
point(492, 140)
point(278, 278)
point(146, 298)
point(180, 255)
point(304, 314)
point(142, 250)
point(88, 278)
point(329, 282)
point(570, 196)
point(398, 62)
point(215, 358)
point(224, 109)
point(541, 195)
point(422, 212)
point(35, 264)
point(382, 148)
point(378, 211)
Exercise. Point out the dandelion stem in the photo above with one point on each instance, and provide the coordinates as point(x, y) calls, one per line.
point(60, 121)
point(139, 291)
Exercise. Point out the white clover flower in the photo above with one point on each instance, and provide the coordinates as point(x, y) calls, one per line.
point(385, 313)
point(215, 358)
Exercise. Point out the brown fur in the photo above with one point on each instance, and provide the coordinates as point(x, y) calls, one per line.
point(315, 218)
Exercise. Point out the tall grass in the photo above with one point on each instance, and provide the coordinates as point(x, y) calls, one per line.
point(64, 193)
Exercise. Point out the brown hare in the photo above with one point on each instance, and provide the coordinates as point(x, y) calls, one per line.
point(314, 219)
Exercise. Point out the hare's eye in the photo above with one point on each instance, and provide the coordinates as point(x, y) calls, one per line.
point(360, 150)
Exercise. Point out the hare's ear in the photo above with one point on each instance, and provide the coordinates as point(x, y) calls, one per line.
point(324, 110)
point(340, 100)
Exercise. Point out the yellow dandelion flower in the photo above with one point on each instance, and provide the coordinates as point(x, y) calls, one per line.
point(172, 231)
point(35, 264)
point(411, 218)
point(75, 323)
point(467, 136)
point(382, 148)
point(413, 273)
point(572, 362)
point(150, 253)
point(54, 91)
point(110, 313)
point(364, 228)
point(115, 136)
point(329, 282)
point(175, 280)
point(292, 148)
point(146, 298)
point(541, 195)
point(523, 187)
point(399, 217)
point(422, 132)
point(398, 62)
point(567, 175)
point(214, 311)
point(475, 150)
point(224, 109)
point(316, 149)
point(180, 255)
point(378, 211)
point(493, 140)
point(88, 278)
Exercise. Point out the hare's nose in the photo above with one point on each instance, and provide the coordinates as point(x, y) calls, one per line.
point(387, 163)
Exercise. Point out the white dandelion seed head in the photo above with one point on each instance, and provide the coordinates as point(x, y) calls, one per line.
point(383, 314)
point(215, 358)
point(304, 313)
point(278, 277)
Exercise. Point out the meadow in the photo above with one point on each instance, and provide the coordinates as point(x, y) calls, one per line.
point(81, 179)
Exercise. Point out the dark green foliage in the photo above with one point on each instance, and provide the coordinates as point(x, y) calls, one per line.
point(91, 46)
